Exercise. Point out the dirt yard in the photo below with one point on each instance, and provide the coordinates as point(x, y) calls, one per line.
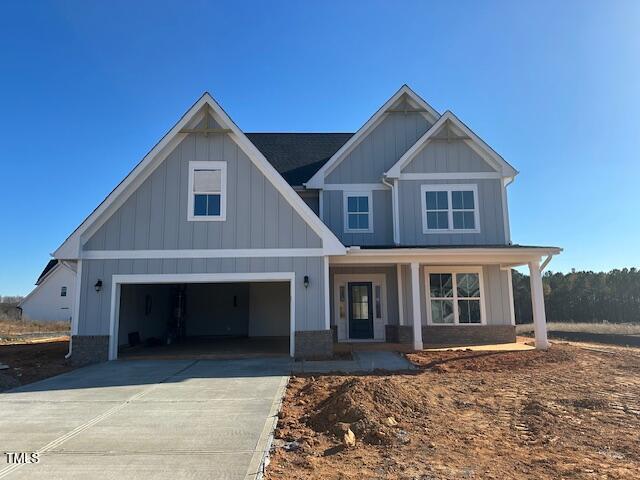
point(30, 362)
point(569, 413)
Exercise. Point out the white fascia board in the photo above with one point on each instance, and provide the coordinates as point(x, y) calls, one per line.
point(71, 248)
point(474, 142)
point(445, 256)
point(317, 181)
point(330, 242)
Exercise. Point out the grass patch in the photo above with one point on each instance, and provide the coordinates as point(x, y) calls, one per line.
point(9, 327)
point(611, 328)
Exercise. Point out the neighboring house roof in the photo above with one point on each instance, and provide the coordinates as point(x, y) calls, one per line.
point(50, 266)
point(49, 271)
point(298, 156)
point(317, 181)
point(71, 247)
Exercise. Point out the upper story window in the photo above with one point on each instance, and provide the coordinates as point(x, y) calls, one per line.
point(450, 208)
point(207, 191)
point(63, 291)
point(358, 212)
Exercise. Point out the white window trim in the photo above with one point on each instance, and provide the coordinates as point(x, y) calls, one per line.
point(345, 197)
point(454, 298)
point(449, 188)
point(208, 165)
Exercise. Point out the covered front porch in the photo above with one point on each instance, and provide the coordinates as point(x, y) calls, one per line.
point(420, 297)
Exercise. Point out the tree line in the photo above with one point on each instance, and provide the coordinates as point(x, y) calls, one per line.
point(582, 296)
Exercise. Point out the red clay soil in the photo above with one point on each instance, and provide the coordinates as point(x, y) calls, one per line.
point(566, 413)
point(30, 362)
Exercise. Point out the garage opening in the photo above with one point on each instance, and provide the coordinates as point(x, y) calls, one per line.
point(204, 320)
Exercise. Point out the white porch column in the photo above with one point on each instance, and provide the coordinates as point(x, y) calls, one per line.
point(415, 300)
point(537, 303)
point(400, 294)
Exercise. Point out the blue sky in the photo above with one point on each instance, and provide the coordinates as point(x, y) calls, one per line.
point(89, 87)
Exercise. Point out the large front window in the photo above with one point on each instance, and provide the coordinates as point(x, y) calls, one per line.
point(449, 208)
point(207, 191)
point(454, 297)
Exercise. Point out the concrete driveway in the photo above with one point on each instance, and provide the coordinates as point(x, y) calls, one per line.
point(159, 419)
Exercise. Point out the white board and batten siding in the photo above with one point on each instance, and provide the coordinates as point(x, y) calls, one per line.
point(45, 303)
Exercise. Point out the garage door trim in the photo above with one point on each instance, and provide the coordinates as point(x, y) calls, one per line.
point(118, 280)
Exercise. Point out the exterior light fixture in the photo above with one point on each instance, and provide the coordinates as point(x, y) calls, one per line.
point(98, 285)
point(306, 281)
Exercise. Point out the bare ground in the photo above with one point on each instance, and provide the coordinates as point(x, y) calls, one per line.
point(568, 413)
point(30, 362)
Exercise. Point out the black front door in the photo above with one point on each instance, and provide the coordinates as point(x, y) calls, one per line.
point(360, 310)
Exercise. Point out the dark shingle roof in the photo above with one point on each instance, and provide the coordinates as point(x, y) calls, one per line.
point(47, 269)
point(298, 156)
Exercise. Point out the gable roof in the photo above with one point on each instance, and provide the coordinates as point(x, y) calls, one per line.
point(475, 142)
point(71, 247)
point(317, 181)
point(298, 156)
point(50, 266)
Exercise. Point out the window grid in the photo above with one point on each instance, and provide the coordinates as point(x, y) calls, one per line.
point(357, 212)
point(450, 209)
point(449, 293)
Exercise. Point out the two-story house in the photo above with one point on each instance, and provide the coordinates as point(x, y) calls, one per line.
point(397, 233)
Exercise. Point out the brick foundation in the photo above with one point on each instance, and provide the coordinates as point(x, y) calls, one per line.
point(314, 344)
point(86, 349)
point(399, 333)
point(455, 336)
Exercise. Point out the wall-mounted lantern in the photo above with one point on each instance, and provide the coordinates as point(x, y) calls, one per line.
point(98, 285)
point(306, 281)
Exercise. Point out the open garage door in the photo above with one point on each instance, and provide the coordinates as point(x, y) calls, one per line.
point(202, 316)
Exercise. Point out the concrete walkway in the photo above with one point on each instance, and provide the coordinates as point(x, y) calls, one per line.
point(145, 419)
point(362, 362)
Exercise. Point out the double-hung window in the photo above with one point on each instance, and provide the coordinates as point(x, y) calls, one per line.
point(207, 191)
point(454, 296)
point(358, 212)
point(450, 209)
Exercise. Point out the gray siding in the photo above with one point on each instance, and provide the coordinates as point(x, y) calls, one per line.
point(380, 149)
point(95, 306)
point(490, 210)
point(391, 282)
point(496, 283)
point(155, 215)
point(443, 157)
point(333, 217)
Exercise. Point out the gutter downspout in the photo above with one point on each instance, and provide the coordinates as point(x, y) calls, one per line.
point(394, 208)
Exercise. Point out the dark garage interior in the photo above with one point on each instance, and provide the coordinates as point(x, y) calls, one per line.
point(204, 320)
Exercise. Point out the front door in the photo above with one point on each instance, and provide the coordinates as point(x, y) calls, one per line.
point(360, 310)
